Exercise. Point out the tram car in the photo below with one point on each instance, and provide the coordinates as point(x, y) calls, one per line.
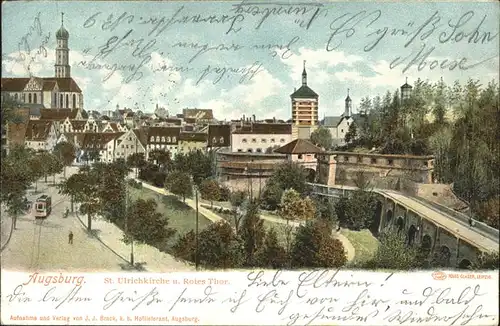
point(43, 206)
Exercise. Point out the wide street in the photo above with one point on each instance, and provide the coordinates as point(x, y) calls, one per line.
point(43, 244)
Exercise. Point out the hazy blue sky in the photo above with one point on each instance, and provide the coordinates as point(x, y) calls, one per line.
point(230, 68)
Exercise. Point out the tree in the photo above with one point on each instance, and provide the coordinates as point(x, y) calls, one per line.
point(37, 168)
point(238, 200)
point(252, 233)
point(271, 254)
point(293, 207)
point(210, 190)
point(179, 183)
point(66, 153)
point(112, 190)
point(136, 160)
point(487, 260)
point(489, 212)
point(162, 158)
point(322, 137)
point(325, 210)
point(393, 253)
point(84, 187)
point(315, 248)
point(185, 246)
point(356, 211)
point(352, 133)
point(219, 247)
point(15, 178)
point(145, 224)
point(196, 163)
point(54, 166)
point(285, 176)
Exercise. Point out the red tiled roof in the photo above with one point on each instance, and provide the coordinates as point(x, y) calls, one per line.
point(205, 114)
point(18, 84)
point(99, 139)
point(14, 84)
point(37, 130)
point(141, 135)
point(193, 136)
point(78, 124)
point(299, 146)
point(265, 129)
point(218, 132)
point(58, 114)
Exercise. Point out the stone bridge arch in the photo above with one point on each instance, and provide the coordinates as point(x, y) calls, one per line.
point(464, 264)
point(388, 217)
point(412, 235)
point(400, 224)
point(376, 219)
point(310, 174)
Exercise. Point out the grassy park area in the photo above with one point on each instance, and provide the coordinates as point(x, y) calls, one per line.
point(181, 217)
point(364, 243)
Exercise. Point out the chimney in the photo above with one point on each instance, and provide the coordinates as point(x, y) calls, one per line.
point(253, 115)
point(244, 118)
point(274, 119)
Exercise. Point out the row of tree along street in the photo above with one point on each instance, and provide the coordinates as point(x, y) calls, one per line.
point(22, 168)
point(465, 147)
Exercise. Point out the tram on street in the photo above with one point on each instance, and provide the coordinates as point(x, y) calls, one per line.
point(43, 206)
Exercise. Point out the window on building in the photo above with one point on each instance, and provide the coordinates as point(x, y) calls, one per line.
point(169, 139)
point(373, 160)
point(74, 100)
point(390, 161)
point(214, 140)
point(272, 140)
point(341, 130)
point(346, 158)
point(244, 140)
point(67, 100)
point(174, 139)
point(221, 140)
point(249, 150)
point(61, 98)
point(157, 139)
point(152, 139)
point(264, 140)
point(254, 140)
point(240, 150)
point(300, 156)
point(259, 150)
point(162, 139)
point(282, 140)
point(29, 98)
point(15, 96)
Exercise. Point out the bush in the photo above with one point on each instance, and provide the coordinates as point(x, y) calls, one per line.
point(135, 184)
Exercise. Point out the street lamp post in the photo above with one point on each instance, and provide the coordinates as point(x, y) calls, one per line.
point(196, 261)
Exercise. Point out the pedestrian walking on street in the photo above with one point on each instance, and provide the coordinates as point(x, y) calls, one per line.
point(70, 237)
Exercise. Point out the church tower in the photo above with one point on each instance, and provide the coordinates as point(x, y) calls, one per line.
point(62, 67)
point(348, 105)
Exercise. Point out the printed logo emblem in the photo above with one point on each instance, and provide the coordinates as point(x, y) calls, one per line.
point(439, 276)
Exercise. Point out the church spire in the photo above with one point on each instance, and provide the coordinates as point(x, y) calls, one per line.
point(348, 105)
point(62, 67)
point(304, 75)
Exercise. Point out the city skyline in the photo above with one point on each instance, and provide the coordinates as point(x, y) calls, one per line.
point(256, 81)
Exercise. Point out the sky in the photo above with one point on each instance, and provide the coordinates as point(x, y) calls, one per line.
point(239, 58)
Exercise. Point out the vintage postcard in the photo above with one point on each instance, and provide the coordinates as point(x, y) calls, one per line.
point(250, 163)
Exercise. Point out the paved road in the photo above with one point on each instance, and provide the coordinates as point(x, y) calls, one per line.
point(44, 245)
point(462, 231)
point(444, 220)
